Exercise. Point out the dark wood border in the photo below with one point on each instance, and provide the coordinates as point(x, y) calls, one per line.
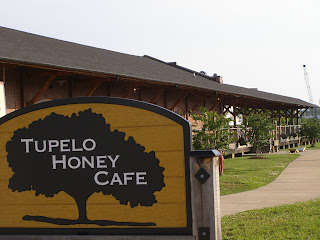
point(114, 231)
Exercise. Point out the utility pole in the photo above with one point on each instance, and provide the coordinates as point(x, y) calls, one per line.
point(306, 78)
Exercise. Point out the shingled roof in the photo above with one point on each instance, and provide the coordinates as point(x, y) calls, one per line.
point(21, 47)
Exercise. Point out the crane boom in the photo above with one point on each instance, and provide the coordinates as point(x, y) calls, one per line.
point(306, 77)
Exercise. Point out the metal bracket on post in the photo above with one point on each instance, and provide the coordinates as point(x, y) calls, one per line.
point(202, 175)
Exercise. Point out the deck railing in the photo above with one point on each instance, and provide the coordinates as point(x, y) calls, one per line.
point(283, 136)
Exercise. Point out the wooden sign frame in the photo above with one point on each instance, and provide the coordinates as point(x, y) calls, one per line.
point(185, 230)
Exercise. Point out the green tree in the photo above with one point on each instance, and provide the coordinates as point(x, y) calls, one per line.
point(310, 129)
point(259, 130)
point(212, 132)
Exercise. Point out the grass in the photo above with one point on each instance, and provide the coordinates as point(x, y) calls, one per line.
point(294, 221)
point(316, 147)
point(243, 174)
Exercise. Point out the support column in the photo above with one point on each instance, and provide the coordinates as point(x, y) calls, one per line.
point(187, 107)
point(245, 122)
point(205, 191)
point(140, 94)
point(70, 86)
point(3, 110)
point(165, 99)
point(21, 76)
point(279, 116)
point(4, 75)
point(234, 113)
point(298, 128)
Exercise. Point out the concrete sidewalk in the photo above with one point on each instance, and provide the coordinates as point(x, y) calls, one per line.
point(300, 181)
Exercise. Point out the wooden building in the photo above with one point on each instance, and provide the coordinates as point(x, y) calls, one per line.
point(36, 68)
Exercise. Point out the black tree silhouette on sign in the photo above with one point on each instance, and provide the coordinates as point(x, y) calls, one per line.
point(80, 155)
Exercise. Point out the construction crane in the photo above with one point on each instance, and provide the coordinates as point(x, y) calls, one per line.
point(306, 78)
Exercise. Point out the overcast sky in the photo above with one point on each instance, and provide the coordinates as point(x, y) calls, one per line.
point(257, 44)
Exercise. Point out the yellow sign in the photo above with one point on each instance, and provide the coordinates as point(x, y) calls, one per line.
point(100, 164)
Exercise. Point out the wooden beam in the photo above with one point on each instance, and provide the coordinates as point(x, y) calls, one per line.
point(260, 110)
point(178, 101)
point(140, 94)
point(107, 77)
point(237, 110)
point(282, 113)
point(42, 89)
point(279, 124)
point(108, 89)
point(285, 113)
point(273, 113)
point(198, 104)
point(234, 116)
point(226, 109)
point(302, 111)
point(216, 103)
point(249, 111)
point(165, 98)
point(292, 114)
point(4, 74)
point(21, 75)
point(245, 119)
point(128, 93)
point(187, 107)
point(128, 84)
point(244, 110)
point(94, 87)
point(48, 74)
point(297, 115)
point(160, 92)
point(289, 113)
point(9, 66)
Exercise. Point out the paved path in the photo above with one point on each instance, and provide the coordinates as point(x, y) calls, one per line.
point(300, 181)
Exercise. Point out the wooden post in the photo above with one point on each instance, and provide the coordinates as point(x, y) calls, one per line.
point(21, 76)
point(187, 107)
point(4, 75)
point(140, 94)
point(108, 90)
point(165, 98)
point(298, 129)
point(245, 122)
point(205, 194)
point(70, 86)
point(234, 116)
point(279, 116)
